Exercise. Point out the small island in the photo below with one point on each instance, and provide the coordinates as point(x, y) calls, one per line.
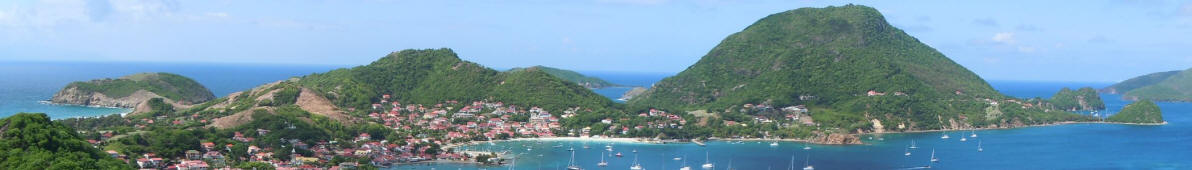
point(1142, 112)
point(134, 91)
point(1083, 99)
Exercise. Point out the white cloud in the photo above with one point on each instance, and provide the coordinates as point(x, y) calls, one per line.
point(1004, 38)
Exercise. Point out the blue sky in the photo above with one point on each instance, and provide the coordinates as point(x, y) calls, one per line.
point(1094, 40)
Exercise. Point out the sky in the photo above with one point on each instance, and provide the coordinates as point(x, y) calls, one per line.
point(1086, 40)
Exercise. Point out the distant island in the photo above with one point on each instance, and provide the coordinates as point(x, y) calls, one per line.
point(1141, 112)
point(134, 91)
point(1083, 99)
point(571, 76)
point(1162, 86)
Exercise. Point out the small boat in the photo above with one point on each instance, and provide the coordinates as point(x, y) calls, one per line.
point(774, 144)
point(635, 166)
point(913, 144)
point(571, 163)
point(602, 162)
point(587, 147)
point(805, 147)
point(806, 164)
point(678, 158)
point(619, 154)
point(608, 149)
point(974, 134)
point(529, 149)
point(962, 139)
point(908, 151)
point(685, 167)
point(571, 149)
point(933, 158)
point(635, 151)
point(557, 146)
point(979, 149)
point(945, 136)
point(707, 161)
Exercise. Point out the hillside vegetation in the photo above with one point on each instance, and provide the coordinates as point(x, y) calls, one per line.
point(1085, 98)
point(1143, 111)
point(32, 141)
point(849, 64)
point(1164, 86)
point(435, 75)
point(570, 76)
point(120, 92)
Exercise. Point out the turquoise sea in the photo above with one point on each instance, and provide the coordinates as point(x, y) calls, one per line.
point(1075, 146)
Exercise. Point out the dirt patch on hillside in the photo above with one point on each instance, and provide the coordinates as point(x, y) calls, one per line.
point(311, 102)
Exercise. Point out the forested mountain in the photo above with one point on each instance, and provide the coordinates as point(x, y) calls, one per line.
point(436, 75)
point(1085, 98)
point(847, 62)
point(1162, 86)
point(1143, 111)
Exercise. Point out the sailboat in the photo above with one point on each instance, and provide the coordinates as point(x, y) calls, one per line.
point(792, 166)
point(806, 165)
point(619, 154)
point(571, 149)
point(933, 158)
point(805, 147)
point(635, 166)
point(979, 149)
point(684, 166)
point(962, 138)
point(913, 144)
point(602, 162)
point(945, 136)
point(908, 151)
point(571, 163)
point(974, 134)
point(773, 143)
point(707, 161)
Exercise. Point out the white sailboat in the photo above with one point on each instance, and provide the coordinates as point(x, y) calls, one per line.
point(805, 147)
point(962, 138)
point(707, 161)
point(806, 165)
point(602, 162)
point(684, 166)
point(635, 166)
point(913, 146)
point(945, 136)
point(933, 158)
point(974, 134)
point(571, 163)
point(773, 143)
point(979, 149)
point(908, 151)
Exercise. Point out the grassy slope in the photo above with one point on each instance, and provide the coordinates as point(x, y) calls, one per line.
point(1176, 87)
point(171, 86)
point(1143, 111)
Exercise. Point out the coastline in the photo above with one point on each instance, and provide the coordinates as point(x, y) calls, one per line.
point(122, 114)
point(588, 139)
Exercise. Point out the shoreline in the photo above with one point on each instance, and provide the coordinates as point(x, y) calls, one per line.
point(810, 141)
point(122, 114)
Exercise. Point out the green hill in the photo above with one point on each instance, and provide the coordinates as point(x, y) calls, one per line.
point(1163, 86)
point(571, 76)
point(830, 59)
point(122, 92)
point(435, 75)
point(1082, 99)
point(1137, 82)
point(32, 141)
point(1143, 111)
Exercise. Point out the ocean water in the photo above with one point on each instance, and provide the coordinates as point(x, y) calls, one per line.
point(627, 80)
point(1073, 146)
point(24, 85)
